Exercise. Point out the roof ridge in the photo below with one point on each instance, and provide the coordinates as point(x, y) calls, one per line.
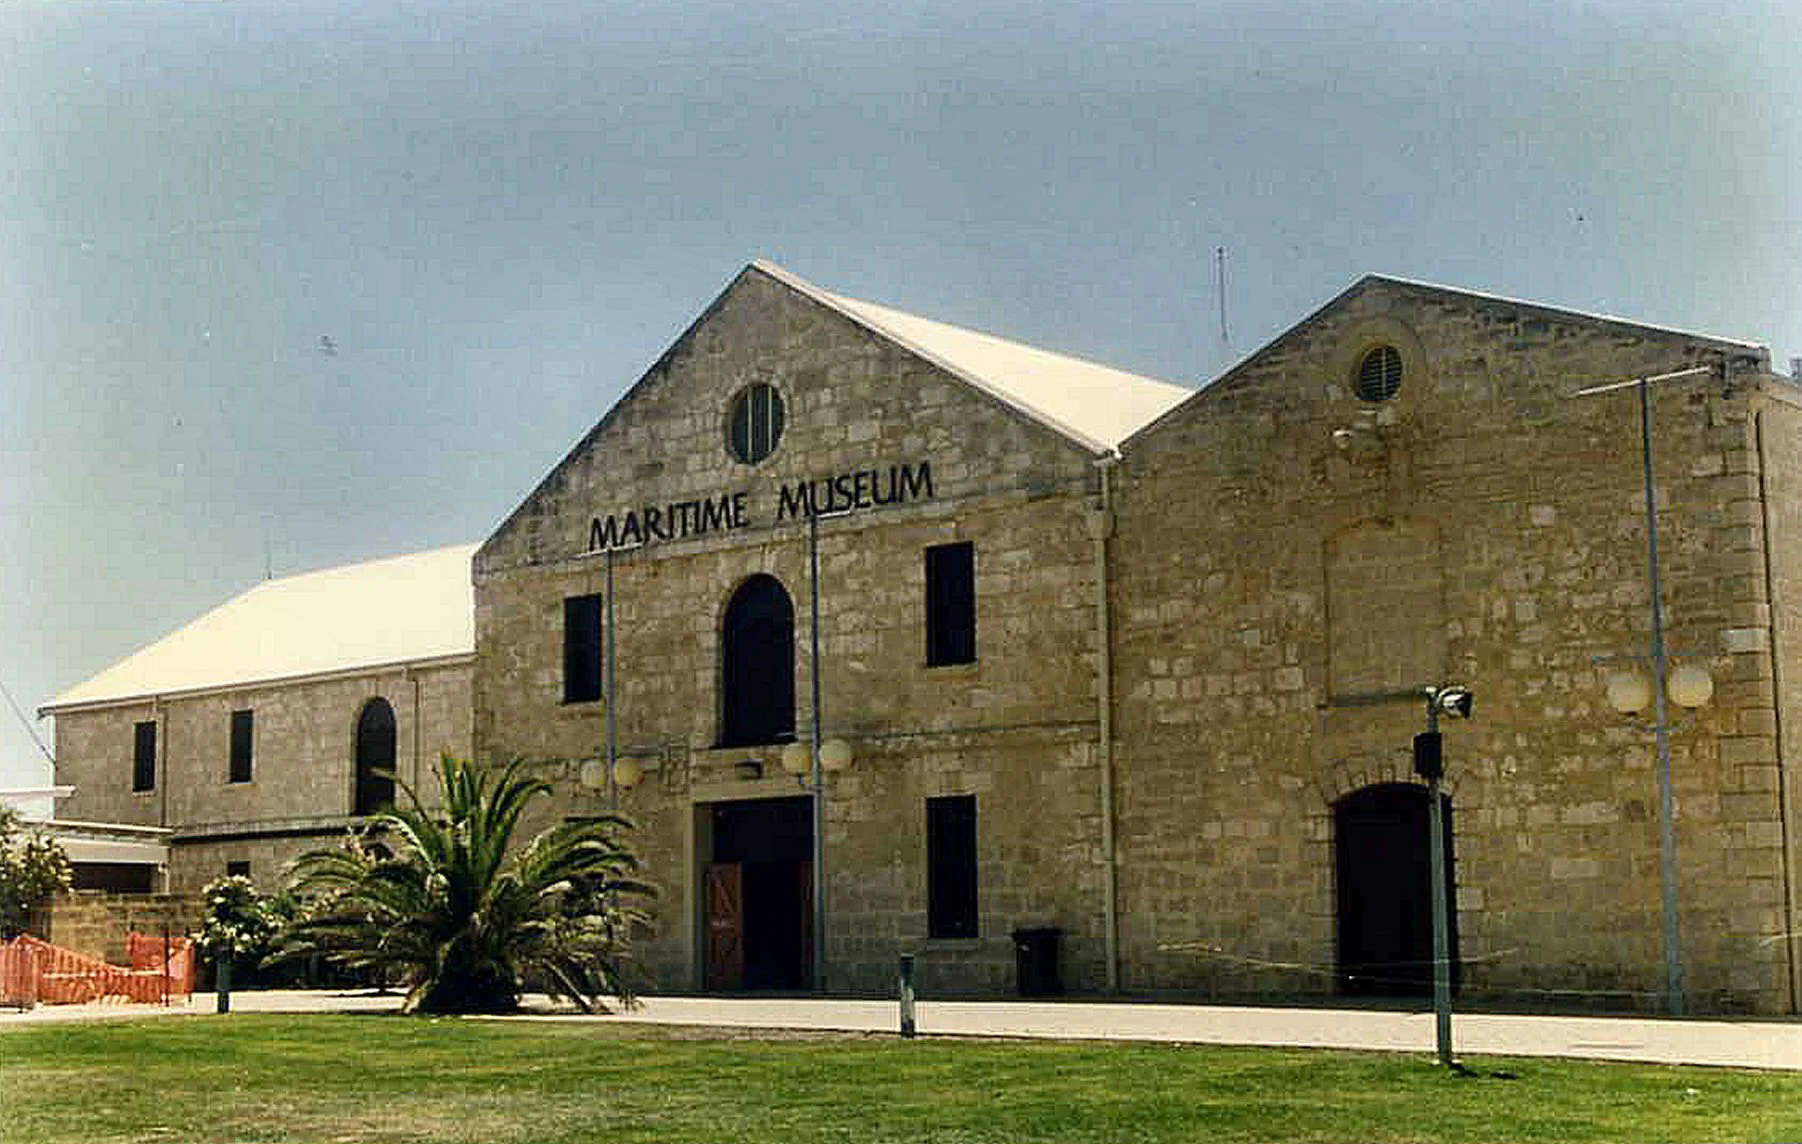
point(881, 320)
point(1554, 308)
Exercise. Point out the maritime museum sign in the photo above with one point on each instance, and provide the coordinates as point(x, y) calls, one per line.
point(729, 512)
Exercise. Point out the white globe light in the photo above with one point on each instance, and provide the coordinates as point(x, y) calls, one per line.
point(627, 773)
point(835, 755)
point(797, 759)
point(1690, 685)
point(594, 774)
point(1629, 692)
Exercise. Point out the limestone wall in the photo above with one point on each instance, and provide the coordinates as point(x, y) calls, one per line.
point(1483, 527)
point(97, 924)
point(304, 755)
point(1016, 728)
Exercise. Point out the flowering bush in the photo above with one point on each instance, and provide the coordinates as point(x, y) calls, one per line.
point(240, 923)
point(32, 868)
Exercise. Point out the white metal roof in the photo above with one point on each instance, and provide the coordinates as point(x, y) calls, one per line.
point(85, 842)
point(403, 609)
point(1095, 404)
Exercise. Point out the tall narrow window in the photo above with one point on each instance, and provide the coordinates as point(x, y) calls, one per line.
point(757, 665)
point(950, 604)
point(243, 732)
point(581, 649)
point(143, 757)
point(951, 866)
point(375, 758)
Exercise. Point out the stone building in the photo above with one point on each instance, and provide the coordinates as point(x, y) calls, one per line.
point(952, 483)
point(1079, 651)
point(254, 733)
point(1192, 650)
point(1405, 490)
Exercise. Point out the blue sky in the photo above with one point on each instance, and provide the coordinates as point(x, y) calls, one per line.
point(500, 215)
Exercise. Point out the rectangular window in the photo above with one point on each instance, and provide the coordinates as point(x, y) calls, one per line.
point(950, 604)
point(143, 757)
point(951, 866)
point(581, 649)
point(243, 731)
point(237, 869)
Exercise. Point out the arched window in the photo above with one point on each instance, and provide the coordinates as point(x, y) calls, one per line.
point(757, 665)
point(375, 758)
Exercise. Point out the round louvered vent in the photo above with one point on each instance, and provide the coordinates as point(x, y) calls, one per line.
point(1379, 374)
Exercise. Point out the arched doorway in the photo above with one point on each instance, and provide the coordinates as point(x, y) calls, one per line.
point(757, 665)
point(1384, 876)
point(375, 758)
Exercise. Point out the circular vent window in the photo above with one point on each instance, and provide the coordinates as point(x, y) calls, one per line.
point(755, 424)
point(1379, 374)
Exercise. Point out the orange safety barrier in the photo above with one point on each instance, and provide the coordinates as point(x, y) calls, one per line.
point(33, 972)
point(172, 957)
point(18, 974)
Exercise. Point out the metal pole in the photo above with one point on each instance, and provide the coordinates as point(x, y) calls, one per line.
point(817, 783)
point(1661, 729)
point(1442, 953)
point(907, 996)
point(222, 982)
point(607, 669)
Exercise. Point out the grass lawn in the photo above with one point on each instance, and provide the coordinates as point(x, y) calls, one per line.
point(253, 1077)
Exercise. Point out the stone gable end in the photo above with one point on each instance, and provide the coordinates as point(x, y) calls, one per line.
point(855, 405)
point(1479, 525)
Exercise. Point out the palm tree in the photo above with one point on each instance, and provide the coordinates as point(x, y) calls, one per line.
point(446, 904)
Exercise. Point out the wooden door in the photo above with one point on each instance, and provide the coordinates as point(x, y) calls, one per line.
point(725, 926)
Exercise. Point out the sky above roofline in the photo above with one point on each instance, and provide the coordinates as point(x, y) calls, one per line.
point(291, 285)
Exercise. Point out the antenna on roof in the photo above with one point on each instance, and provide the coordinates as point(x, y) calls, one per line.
point(1226, 342)
point(268, 549)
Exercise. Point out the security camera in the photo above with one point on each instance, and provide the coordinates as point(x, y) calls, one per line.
point(1454, 701)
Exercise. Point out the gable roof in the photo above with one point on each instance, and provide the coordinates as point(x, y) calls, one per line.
point(1095, 405)
point(1092, 406)
point(403, 609)
point(1377, 281)
point(1546, 309)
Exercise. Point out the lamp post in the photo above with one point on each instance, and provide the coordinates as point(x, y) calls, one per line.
point(817, 779)
point(810, 762)
point(1689, 686)
point(1661, 729)
point(1429, 764)
point(613, 783)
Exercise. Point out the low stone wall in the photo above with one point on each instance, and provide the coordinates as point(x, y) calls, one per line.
point(96, 923)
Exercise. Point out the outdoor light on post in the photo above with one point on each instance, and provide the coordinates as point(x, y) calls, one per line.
point(1429, 764)
point(820, 756)
point(621, 774)
point(1626, 693)
point(1631, 692)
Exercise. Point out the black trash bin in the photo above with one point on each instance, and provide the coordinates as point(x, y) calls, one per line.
point(1035, 961)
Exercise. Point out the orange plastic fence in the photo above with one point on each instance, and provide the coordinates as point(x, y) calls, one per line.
point(35, 972)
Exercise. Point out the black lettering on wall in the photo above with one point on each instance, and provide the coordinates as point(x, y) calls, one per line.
point(839, 492)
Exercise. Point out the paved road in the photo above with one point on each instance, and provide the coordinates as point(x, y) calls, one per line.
point(1749, 1044)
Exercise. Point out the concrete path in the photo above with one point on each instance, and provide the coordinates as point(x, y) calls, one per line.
point(1746, 1044)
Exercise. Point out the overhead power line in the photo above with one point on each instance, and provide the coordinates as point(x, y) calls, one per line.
point(29, 729)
